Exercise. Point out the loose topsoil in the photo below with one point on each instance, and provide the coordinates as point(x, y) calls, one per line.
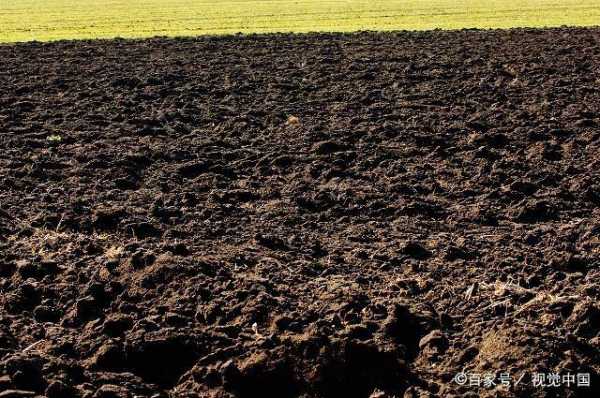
point(300, 215)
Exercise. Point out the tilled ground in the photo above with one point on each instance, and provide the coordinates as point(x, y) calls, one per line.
point(311, 215)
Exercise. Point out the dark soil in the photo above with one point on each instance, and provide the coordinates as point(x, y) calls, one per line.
point(310, 215)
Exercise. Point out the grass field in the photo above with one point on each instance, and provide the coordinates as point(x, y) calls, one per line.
point(23, 20)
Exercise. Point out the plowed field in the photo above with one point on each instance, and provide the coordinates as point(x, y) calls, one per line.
point(300, 215)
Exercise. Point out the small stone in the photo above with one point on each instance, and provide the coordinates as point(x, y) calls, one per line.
point(293, 121)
